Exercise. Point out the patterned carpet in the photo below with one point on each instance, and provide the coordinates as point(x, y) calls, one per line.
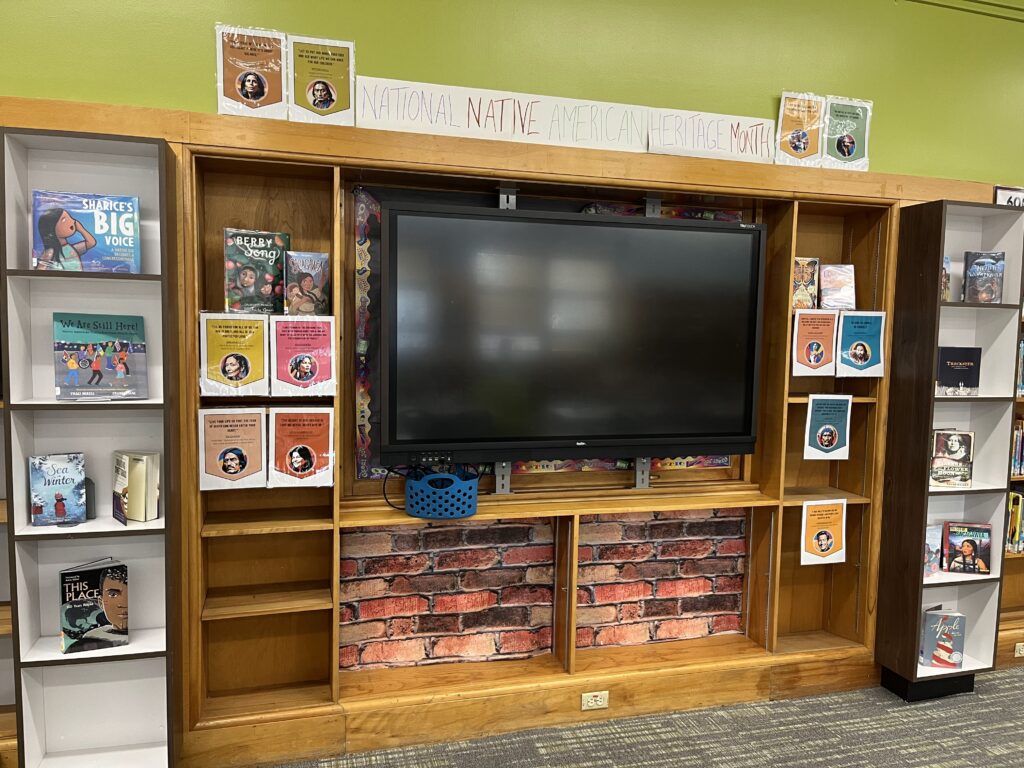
point(860, 729)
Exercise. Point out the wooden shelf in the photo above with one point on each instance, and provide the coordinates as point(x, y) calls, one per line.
point(266, 703)
point(810, 642)
point(1013, 555)
point(857, 399)
point(6, 621)
point(795, 497)
point(362, 512)
point(3, 511)
point(266, 521)
point(236, 602)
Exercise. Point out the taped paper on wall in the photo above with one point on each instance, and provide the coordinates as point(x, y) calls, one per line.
point(323, 80)
point(252, 74)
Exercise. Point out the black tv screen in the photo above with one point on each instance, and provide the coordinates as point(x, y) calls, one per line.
point(515, 335)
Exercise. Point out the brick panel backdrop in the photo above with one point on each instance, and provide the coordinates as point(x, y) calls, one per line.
point(476, 592)
point(667, 576)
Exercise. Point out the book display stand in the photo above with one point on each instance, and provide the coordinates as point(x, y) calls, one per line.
point(66, 700)
point(929, 232)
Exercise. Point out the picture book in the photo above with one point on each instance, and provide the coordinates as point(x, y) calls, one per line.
point(302, 445)
point(252, 72)
point(861, 348)
point(983, 277)
point(302, 356)
point(952, 458)
point(933, 546)
point(233, 354)
point(136, 486)
point(307, 283)
point(1014, 522)
point(847, 130)
point(823, 532)
point(1020, 368)
point(99, 357)
point(85, 232)
point(942, 638)
point(828, 427)
point(253, 270)
point(945, 289)
point(958, 372)
point(94, 606)
point(838, 287)
point(967, 547)
point(57, 488)
point(323, 80)
point(800, 129)
point(814, 342)
point(232, 448)
point(805, 283)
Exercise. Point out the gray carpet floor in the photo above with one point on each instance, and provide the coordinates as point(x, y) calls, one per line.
point(859, 729)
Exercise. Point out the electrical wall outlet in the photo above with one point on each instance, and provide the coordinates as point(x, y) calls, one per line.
point(596, 700)
point(1018, 650)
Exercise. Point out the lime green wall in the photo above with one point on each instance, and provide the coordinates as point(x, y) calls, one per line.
point(936, 75)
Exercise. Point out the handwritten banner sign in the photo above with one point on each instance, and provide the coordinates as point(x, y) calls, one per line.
point(703, 134)
point(398, 105)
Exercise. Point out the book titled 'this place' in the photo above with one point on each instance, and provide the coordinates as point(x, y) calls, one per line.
point(99, 357)
point(57, 488)
point(85, 232)
point(94, 606)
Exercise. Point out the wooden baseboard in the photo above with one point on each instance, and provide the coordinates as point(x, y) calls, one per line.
point(1009, 635)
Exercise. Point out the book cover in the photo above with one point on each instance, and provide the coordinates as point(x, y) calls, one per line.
point(1013, 532)
point(942, 638)
point(136, 487)
point(827, 431)
point(861, 347)
point(838, 286)
point(233, 354)
point(94, 606)
point(847, 130)
point(933, 548)
point(85, 232)
point(302, 445)
point(967, 547)
point(57, 488)
point(252, 72)
point(253, 270)
point(302, 356)
point(823, 532)
point(983, 277)
point(99, 357)
point(945, 288)
point(323, 80)
point(800, 129)
point(814, 342)
point(232, 448)
point(952, 458)
point(307, 283)
point(805, 283)
point(958, 371)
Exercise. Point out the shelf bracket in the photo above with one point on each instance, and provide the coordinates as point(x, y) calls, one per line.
point(642, 470)
point(507, 197)
point(652, 206)
point(502, 478)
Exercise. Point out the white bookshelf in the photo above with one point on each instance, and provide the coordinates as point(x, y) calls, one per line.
point(977, 228)
point(980, 604)
point(991, 422)
point(994, 330)
point(983, 508)
point(59, 725)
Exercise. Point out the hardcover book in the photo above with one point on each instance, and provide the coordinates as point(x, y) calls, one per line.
point(933, 546)
point(945, 291)
point(952, 458)
point(958, 371)
point(302, 442)
point(136, 486)
point(814, 342)
point(253, 270)
point(942, 638)
point(233, 354)
point(1013, 526)
point(99, 357)
point(232, 448)
point(85, 232)
point(302, 356)
point(861, 352)
point(805, 283)
point(94, 606)
point(57, 488)
point(968, 547)
point(983, 277)
point(838, 286)
point(307, 281)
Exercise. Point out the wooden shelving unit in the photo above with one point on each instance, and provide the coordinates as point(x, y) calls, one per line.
point(927, 233)
point(46, 683)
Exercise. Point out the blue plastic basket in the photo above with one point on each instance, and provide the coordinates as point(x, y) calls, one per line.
point(441, 495)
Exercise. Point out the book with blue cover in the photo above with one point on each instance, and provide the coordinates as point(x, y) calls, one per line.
point(57, 488)
point(85, 232)
point(99, 357)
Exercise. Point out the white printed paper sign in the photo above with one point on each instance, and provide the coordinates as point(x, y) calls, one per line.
point(704, 134)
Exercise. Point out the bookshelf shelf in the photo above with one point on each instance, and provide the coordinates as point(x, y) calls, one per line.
point(40, 404)
point(267, 702)
point(265, 522)
point(986, 307)
point(236, 602)
point(100, 527)
point(795, 497)
point(144, 643)
point(6, 626)
point(121, 277)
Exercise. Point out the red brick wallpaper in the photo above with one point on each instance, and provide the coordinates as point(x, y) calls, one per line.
point(480, 591)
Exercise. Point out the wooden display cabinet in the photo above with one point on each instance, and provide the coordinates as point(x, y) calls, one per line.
point(922, 322)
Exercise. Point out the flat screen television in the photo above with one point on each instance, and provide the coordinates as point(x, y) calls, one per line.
point(517, 335)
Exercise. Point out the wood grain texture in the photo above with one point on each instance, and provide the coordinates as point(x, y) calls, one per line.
point(761, 597)
point(306, 733)
point(791, 680)
point(266, 599)
point(563, 634)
